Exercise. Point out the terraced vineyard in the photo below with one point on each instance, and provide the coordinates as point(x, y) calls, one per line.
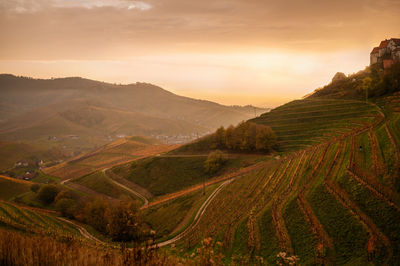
point(330, 198)
point(118, 152)
point(33, 220)
point(303, 123)
point(332, 202)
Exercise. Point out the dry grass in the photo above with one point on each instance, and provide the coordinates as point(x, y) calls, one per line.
point(19, 249)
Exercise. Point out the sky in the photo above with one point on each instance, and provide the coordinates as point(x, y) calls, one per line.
point(260, 52)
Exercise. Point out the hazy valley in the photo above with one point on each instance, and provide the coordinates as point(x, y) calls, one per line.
point(109, 171)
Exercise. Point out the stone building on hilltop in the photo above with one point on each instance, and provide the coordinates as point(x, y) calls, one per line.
point(386, 53)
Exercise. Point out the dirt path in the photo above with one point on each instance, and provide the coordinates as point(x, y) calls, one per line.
point(65, 181)
point(199, 214)
point(136, 193)
point(82, 230)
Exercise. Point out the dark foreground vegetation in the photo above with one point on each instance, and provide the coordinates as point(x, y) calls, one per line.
point(19, 250)
point(372, 82)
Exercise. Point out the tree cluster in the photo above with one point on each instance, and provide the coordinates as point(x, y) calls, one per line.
point(120, 220)
point(47, 193)
point(63, 200)
point(246, 136)
point(381, 82)
point(214, 162)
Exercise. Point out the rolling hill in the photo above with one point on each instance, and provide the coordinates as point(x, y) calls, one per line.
point(332, 198)
point(117, 152)
point(80, 106)
point(73, 115)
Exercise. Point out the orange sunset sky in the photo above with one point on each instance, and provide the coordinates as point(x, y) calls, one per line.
point(261, 52)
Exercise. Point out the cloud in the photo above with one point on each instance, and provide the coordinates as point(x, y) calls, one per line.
point(90, 31)
point(89, 4)
point(32, 6)
point(110, 29)
point(139, 5)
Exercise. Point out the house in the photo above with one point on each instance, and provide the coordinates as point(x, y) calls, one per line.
point(396, 53)
point(386, 54)
point(22, 163)
point(29, 175)
point(374, 56)
point(393, 44)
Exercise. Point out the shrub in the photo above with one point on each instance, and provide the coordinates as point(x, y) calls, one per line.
point(67, 207)
point(95, 214)
point(214, 162)
point(48, 193)
point(63, 195)
point(35, 188)
point(123, 222)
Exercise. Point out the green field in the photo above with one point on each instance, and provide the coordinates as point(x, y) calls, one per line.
point(10, 189)
point(163, 175)
point(174, 215)
point(99, 182)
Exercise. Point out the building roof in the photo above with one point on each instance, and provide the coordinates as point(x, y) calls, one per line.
point(375, 50)
point(384, 44)
point(396, 41)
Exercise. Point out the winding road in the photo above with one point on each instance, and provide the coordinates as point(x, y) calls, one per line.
point(195, 221)
point(136, 193)
point(82, 230)
point(199, 214)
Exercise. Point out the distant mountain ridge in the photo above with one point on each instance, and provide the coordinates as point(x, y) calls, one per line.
point(79, 113)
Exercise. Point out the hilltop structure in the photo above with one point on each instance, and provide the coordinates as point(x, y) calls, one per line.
point(386, 53)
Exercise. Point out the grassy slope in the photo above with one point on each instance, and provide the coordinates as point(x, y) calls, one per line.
point(167, 217)
point(117, 152)
point(99, 182)
point(10, 189)
point(12, 152)
point(162, 175)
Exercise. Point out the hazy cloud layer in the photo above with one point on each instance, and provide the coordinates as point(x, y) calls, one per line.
point(32, 6)
point(73, 29)
point(236, 51)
